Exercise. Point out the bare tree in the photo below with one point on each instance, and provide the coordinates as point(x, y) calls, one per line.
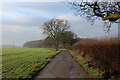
point(109, 12)
point(54, 28)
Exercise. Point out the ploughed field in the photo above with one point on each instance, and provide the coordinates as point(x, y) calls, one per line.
point(24, 62)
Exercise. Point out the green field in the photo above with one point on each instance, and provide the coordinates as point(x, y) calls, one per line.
point(24, 62)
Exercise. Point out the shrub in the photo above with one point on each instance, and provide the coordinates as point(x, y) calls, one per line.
point(103, 54)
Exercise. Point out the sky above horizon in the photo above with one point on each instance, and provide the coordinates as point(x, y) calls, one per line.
point(22, 21)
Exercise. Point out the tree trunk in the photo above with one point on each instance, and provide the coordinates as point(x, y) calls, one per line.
point(56, 45)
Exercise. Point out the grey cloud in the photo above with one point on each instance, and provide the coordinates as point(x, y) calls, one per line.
point(45, 9)
point(27, 21)
point(83, 28)
point(27, 34)
point(51, 7)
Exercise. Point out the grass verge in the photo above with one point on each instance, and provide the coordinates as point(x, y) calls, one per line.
point(90, 71)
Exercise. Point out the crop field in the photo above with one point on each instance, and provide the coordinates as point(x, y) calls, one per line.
point(24, 62)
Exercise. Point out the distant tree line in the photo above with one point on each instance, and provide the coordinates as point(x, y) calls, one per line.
point(68, 38)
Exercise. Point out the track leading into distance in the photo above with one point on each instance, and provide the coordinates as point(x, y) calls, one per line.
point(62, 66)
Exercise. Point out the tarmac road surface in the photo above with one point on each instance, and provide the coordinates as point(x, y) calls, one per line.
point(62, 66)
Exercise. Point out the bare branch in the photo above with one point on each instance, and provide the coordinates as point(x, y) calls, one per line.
point(54, 28)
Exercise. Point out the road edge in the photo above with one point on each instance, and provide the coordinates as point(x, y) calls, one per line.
point(37, 73)
point(87, 72)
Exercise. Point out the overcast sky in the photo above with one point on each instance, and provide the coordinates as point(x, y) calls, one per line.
point(22, 21)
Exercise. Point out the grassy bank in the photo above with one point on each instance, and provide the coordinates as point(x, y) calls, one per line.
point(90, 71)
point(24, 62)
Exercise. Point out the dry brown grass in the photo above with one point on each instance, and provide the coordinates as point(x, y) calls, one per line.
point(103, 54)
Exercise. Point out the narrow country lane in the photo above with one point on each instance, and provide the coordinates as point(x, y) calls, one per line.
point(62, 66)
